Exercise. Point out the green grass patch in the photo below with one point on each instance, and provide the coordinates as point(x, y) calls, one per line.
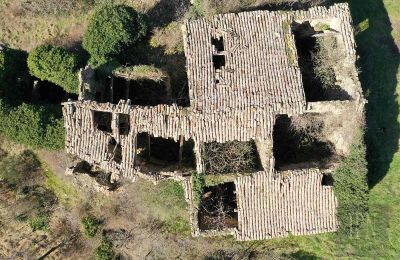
point(105, 250)
point(90, 225)
point(165, 202)
point(65, 192)
point(351, 188)
point(39, 222)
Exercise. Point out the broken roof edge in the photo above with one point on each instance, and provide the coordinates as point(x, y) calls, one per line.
point(294, 14)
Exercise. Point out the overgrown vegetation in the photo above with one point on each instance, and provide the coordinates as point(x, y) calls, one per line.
point(351, 188)
point(326, 56)
point(90, 225)
point(32, 125)
point(141, 72)
point(217, 207)
point(104, 251)
point(300, 140)
point(20, 170)
point(23, 174)
point(112, 29)
point(231, 157)
point(39, 222)
point(198, 183)
point(56, 65)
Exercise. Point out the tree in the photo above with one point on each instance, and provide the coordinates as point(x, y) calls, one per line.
point(56, 65)
point(111, 30)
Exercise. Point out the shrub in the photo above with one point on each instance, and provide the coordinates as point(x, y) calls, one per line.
point(104, 251)
point(111, 29)
point(198, 183)
point(40, 222)
point(90, 225)
point(34, 126)
point(56, 65)
point(351, 188)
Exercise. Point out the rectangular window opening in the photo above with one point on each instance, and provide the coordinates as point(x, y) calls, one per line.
point(124, 124)
point(156, 154)
point(218, 61)
point(142, 92)
point(102, 121)
point(114, 150)
point(218, 43)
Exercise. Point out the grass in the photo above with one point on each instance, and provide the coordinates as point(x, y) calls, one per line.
point(66, 193)
point(165, 201)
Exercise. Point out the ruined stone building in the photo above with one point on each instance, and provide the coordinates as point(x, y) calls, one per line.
point(245, 73)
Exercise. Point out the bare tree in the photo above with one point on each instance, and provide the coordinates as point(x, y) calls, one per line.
point(230, 157)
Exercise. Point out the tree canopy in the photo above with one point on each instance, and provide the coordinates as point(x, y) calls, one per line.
point(55, 65)
point(111, 29)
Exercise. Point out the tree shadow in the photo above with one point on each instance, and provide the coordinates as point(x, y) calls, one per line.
point(166, 11)
point(379, 62)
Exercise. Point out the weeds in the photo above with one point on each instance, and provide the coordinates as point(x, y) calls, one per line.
point(104, 251)
point(198, 182)
point(39, 222)
point(351, 188)
point(90, 226)
point(325, 58)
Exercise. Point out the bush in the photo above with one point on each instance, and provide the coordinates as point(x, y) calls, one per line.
point(56, 65)
point(111, 30)
point(40, 222)
point(14, 74)
point(90, 225)
point(104, 251)
point(34, 126)
point(351, 188)
point(198, 183)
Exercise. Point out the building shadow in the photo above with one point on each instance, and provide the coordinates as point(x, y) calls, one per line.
point(379, 63)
